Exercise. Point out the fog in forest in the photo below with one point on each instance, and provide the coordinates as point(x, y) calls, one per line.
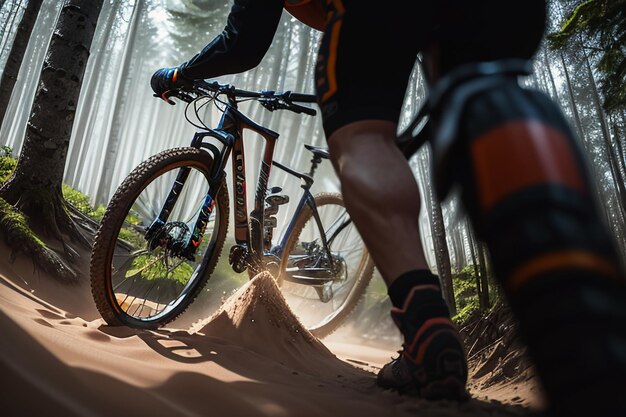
point(118, 123)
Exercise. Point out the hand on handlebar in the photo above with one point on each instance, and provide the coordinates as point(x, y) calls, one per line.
point(165, 80)
point(169, 82)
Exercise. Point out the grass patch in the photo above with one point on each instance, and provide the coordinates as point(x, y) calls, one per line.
point(465, 294)
point(152, 267)
point(81, 202)
point(132, 236)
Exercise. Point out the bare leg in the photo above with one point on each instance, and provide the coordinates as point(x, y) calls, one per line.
point(381, 194)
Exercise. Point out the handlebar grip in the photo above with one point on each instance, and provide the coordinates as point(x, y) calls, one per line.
point(303, 98)
point(301, 109)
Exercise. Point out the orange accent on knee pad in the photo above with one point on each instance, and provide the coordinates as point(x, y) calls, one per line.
point(578, 259)
point(521, 154)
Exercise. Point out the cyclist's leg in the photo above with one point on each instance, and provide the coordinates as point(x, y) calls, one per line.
point(530, 198)
point(362, 80)
point(381, 194)
point(361, 87)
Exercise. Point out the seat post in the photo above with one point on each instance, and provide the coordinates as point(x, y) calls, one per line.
point(315, 161)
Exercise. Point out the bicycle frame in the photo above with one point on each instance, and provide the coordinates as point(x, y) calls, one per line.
point(306, 199)
point(248, 228)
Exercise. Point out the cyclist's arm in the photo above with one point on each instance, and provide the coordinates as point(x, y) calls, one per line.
point(243, 42)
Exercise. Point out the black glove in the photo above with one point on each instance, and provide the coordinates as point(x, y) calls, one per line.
point(166, 79)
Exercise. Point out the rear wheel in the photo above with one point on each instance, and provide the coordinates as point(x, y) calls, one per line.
point(146, 280)
point(323, 288)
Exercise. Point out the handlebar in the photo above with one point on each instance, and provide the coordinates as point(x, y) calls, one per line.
point(271, 100)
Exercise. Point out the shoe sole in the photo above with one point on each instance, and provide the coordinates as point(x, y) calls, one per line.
point(451, 389)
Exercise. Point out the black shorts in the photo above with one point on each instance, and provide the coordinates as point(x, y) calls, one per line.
point(368, 51)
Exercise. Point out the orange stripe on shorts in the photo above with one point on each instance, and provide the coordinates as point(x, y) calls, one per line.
point(521, 154)
point(331, 67)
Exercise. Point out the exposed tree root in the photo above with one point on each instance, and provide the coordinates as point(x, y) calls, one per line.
point(495, 351)
point(21, 239)
point(47, 214)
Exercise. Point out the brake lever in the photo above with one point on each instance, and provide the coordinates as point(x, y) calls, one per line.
point(166, 97)
point(270, 104)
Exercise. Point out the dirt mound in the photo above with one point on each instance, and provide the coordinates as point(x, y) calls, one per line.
point(257, 318)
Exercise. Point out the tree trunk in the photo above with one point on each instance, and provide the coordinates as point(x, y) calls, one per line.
point(546, 64)
point(35, 186)
point(472, 240)
point(618, 181)
point(442, 255)
point(12, 67)
point(124, 80)
point(484, 300)
point(548, 82)
point(459, 253)
point(574, 107)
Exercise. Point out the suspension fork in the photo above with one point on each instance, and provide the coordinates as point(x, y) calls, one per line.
point(215, 181)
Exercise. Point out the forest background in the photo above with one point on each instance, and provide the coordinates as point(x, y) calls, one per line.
point(115, 123)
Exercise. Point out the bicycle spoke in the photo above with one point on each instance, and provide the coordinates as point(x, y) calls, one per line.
point(148, 282)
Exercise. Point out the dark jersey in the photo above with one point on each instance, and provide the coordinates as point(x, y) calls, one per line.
point(248, 34)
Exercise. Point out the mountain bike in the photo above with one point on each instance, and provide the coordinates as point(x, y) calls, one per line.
point(164, 228)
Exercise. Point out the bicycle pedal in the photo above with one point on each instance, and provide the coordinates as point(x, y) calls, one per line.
point(277, 199)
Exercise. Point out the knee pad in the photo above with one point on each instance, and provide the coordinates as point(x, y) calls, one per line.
point(522, 177)
point(525, 184)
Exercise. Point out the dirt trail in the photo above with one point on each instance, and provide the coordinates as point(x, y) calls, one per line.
point(252, 357)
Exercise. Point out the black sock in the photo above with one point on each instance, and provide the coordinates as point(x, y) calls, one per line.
point(401, 287)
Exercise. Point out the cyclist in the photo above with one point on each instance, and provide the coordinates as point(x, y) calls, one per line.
point(522, 179)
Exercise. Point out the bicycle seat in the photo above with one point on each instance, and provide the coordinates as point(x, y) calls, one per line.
point(317, 151)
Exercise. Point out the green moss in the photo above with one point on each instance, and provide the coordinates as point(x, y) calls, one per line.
point(7, 166)
point(15, 226)
point(20, 238)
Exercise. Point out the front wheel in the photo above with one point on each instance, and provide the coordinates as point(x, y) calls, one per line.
point(325, 267)
point(141, 273)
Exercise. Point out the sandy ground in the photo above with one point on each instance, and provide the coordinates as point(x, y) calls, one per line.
point(251, 358)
